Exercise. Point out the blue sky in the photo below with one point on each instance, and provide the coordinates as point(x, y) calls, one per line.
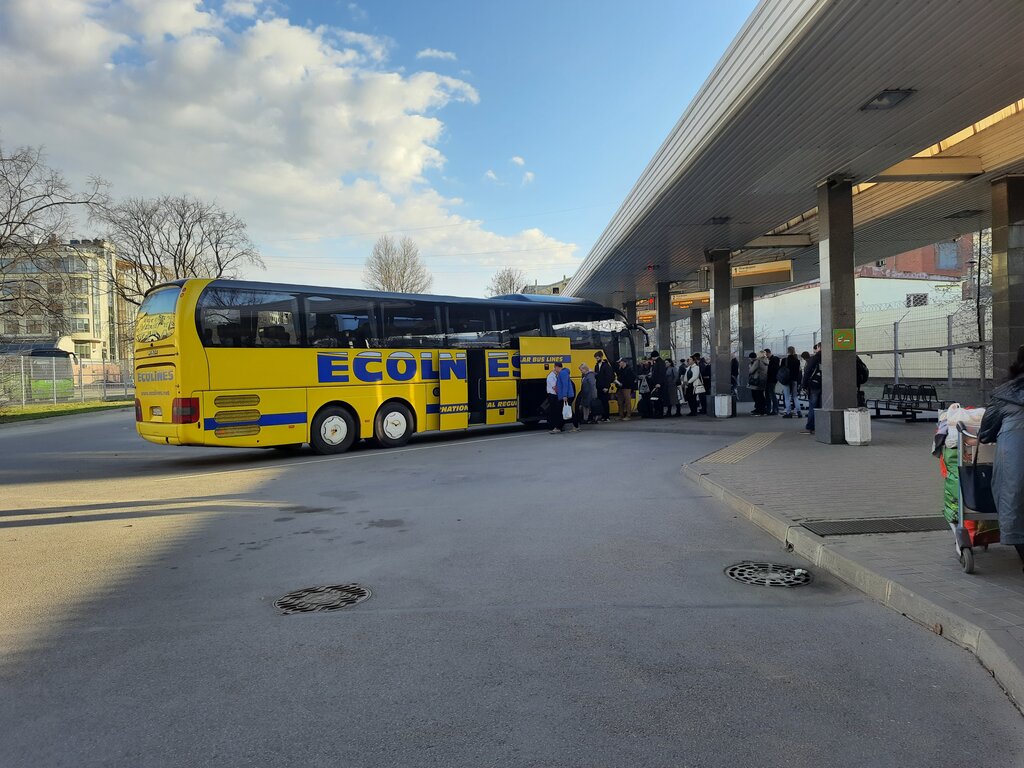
point(492, 133)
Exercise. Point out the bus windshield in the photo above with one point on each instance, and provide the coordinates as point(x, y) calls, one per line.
point(156, 315)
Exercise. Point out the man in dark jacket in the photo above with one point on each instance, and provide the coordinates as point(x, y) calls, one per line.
point(771, 398)
point(658, 384)
point(605, 377)
point(812, 383)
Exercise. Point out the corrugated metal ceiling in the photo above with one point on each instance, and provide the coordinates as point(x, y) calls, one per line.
point(781, 112)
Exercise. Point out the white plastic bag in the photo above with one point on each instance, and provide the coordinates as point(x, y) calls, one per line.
point(955, 414)
point(566, 411)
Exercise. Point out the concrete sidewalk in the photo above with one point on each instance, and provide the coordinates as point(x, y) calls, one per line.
point(780, 479)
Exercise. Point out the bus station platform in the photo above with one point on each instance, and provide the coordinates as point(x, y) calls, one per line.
point(782, 482)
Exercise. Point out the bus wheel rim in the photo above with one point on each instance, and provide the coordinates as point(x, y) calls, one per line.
point(334, 430)
point(395, 425)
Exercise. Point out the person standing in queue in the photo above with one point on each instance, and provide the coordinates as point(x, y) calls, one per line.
point(658, 379)
point(565, 392)
point(757, 376)
point(551, 405)
point(1003, 424)
point(624, 393)
point(771, 397)
point(605, 377)
point(812, 383)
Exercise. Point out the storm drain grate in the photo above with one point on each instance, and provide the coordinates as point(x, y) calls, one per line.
point(328, 598)
point(876, 525)
point(768, 574)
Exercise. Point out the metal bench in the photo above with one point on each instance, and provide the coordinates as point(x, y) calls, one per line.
point(908, 402)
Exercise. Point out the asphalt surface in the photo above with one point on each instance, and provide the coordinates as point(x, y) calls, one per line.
point(538, 600)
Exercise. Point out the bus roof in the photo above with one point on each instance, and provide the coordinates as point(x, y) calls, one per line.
point(507, 300)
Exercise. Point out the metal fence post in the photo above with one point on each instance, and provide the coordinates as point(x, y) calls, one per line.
point(896, 352)
point(104, 377)
point(22, 358)
point(81, 381)
point(53, 369)
point(949, 352)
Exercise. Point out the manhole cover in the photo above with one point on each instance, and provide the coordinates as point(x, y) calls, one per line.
point(769, 574)
point(329, 598)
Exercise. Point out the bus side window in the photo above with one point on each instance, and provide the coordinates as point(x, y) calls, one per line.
point(333, 322)
point(516, 323)
point(237, 317)
point(410, 324)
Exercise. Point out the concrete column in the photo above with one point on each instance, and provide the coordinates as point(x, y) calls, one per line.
point(746, 339)
point(696, 334)
point(721, 332)
point(664, 309)
point(838, 308)
point(638, 337)
point(1007, 272)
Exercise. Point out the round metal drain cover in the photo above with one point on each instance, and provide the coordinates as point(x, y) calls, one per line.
point(769, 574)
point(328, 598)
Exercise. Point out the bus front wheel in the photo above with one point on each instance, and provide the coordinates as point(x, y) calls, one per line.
point(393, 425)
point(333, 430)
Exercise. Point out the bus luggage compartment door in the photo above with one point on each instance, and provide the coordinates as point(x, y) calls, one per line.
point(537, 356)
point(501, 395)
point(454, 396)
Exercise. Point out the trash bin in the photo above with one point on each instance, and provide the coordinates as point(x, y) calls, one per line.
point(723, 406)
point(858, 426)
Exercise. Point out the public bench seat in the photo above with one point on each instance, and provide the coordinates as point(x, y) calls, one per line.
point(906, 401)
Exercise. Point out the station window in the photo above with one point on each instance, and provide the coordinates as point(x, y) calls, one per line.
point(339, 321)
point(917, 299)
point(409, 324)
point(238, 317)
point(946, 256)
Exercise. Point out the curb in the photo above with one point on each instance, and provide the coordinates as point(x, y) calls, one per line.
point(996, 649)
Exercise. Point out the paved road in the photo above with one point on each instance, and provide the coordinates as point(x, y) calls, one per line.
point(538, 600)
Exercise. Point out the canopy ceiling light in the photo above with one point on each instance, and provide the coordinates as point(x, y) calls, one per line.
point(888, 99)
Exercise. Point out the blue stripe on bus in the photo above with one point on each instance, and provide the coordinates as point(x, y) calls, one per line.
point(266, 420)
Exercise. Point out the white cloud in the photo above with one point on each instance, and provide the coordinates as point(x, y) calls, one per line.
point(491, 175)
point(433, 53)
point(304, 132)
point(517, 160)
point(528, 178)
point(357, 13)
point(243, 8)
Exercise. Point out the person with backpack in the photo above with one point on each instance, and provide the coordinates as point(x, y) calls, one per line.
point(863, 374)
point(789, 378)
point(757, 379)
point(705, 379)
point(812, 383)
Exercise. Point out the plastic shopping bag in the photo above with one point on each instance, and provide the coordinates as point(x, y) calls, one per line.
point(567, 411)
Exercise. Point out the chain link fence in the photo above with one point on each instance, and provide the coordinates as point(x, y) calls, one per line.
point(33, 380)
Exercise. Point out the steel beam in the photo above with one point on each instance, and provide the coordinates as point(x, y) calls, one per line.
point(932, 169)
point(780, 241)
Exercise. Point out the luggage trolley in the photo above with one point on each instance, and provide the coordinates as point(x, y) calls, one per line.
point(976, 501)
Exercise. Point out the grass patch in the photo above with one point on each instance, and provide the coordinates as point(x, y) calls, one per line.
point(12, 413)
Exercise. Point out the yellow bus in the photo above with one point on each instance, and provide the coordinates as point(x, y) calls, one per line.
point(265, 365)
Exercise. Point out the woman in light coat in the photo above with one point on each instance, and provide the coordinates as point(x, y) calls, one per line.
point(693, 385)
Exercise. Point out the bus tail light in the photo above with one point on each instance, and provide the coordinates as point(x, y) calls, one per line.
point(138, 409)
point(185, 410)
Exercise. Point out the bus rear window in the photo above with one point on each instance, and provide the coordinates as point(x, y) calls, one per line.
point(156, 315)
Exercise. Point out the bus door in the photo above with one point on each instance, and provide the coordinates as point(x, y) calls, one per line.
point(537, 358)
point(499, 386)
point(454, 405)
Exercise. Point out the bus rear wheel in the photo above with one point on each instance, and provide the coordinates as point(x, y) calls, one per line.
point(393, 425)
point(333, 430)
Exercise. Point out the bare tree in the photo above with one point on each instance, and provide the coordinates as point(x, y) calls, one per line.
point(507, 280)
point(37, 211)
point(172, 237)
point(396, 267)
